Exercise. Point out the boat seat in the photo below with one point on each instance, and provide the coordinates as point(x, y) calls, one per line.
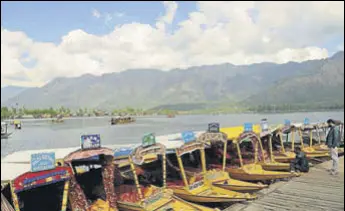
point(128, 193)
point(176, 183)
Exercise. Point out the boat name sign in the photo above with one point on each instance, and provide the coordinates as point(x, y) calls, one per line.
point(306, 121)
point(188, 136)
point(42, 161)
point(153, 198)
point(248, 127)
point(196, 185)
point(90, 141)
point(213, 128)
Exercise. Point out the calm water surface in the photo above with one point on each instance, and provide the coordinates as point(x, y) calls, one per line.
point(45, 135)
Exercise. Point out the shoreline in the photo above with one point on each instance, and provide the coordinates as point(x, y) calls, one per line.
point(180, 114)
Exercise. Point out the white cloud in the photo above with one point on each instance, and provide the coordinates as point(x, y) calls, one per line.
point(217, 32)
point(96, 13)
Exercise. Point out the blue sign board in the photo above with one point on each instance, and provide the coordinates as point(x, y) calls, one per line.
point(287, 122)
point(188, 136)
point(90, 141)
point(248, 127)
point(42, 161)
point(126, 151)
point(306, 121)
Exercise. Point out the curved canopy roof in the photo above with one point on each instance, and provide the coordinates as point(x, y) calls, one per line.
point(87, 154)
point(212, 137)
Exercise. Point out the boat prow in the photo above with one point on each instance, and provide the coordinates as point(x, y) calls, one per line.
point(255, 172)
point(223, 180)
point(275, 166)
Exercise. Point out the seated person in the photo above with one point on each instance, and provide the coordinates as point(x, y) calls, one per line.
point(300, 163)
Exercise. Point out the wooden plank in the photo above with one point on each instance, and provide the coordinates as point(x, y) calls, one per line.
point(317, 190)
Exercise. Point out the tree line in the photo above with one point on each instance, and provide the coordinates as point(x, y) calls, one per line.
point(13, 112)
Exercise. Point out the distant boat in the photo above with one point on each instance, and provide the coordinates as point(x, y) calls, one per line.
point(4, 132)
point(17, 124)
point(58, 120)
point(122, 120)
point(171, 115)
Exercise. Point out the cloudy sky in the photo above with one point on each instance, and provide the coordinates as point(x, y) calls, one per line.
point(44, 40)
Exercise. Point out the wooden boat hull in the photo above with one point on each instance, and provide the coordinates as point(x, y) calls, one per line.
point(312, 153)
point(240, 186)
point(325, 149)
point(175, 204)
point(275, 166)
point(284, 159)
point(255, 172)
point(222, 180)
point(163, 203)
point(205, 194)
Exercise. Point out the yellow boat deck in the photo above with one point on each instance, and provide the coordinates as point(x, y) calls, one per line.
point(314, 191)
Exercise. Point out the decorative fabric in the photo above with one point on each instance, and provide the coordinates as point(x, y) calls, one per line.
point(77, 197)
point(108, 175)
point(84, 154)
point(30, 180)
point(205, 137)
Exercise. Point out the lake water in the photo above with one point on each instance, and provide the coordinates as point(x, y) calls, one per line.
point(45, 135)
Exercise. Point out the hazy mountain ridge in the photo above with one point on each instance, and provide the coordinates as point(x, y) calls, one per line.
point(264, 83)
point(10, 92)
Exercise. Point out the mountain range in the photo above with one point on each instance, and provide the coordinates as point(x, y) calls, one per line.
point(314, 81)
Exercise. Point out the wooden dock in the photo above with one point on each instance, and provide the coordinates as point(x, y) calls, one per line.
point(315, 191)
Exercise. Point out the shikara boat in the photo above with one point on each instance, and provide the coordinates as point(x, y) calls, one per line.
point(191, 184)
point(281, 154)
point(247, 166)
point(45, 187)
point(171, 115)
point(92, 185)
point(17, 124)
point(149, 191)
point(320, 129)
point(215, 152)
point(305, 132)
point(269, 162)
point(58, 119)
point(121, 120)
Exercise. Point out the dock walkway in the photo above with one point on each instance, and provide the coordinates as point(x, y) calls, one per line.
point(315, 191)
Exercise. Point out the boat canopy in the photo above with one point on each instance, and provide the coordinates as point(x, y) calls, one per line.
point(88, 154)
point(31, 180)
point(143, 154)
point(189, 147)
point(213, 137)
point(124, 152)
